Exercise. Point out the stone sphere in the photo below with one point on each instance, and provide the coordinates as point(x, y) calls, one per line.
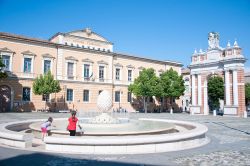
point(104, 101)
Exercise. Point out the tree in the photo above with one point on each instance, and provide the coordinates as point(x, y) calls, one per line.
point(145, 85)
point(247, 92)
point(45, 85)
point(3, 74)
point(172, 85)
point(215, 91)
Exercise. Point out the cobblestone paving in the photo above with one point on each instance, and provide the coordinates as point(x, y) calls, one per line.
point(227, 158)
point(229, 146)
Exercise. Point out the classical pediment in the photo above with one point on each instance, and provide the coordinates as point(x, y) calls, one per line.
point(71, 58)
point(102, 62)
point(5, 49)
point(87, 60)
point(130, 66)
point(48, 56)
point(28, 52)
point(118, 65)
point(87, 33)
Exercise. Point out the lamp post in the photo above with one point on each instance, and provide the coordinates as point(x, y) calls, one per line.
point(65, 89)
point(120, 100)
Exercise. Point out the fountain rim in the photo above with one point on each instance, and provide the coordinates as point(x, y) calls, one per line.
point(118, 133)
point(197, 131)
point(188, 139)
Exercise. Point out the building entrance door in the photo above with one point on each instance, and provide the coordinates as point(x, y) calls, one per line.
point(5, 98)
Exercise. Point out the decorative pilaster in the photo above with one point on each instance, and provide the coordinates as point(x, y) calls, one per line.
point(205, 98)
point(235, 87)
point(199, 90)
point(59, 65)
point(193, 91)
point(227, 88)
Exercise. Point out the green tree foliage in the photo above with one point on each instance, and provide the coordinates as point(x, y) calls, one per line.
point(45, 85)
point(172, 85)
point(3, 74)
point(215, 91)
point(146, 85)
point(247, 92)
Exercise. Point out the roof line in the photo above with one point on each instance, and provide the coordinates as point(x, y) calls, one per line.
point(40, 41)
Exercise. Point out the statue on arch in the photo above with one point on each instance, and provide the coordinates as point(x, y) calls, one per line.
point(213, 40)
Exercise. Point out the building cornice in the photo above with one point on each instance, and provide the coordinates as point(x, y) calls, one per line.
point(172, 63)
point(85, 38)
point(20, 38)
point(223, 61)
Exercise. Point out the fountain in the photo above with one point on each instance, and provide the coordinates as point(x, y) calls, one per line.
point(105, 134)
point(104, 104)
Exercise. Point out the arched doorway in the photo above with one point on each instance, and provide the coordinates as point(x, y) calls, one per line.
point(215, 91)
point(5, 98)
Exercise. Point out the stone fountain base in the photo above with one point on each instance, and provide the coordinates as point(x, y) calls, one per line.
point(104, 118)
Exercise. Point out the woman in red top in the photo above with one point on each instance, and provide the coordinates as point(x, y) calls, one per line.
point(72, 124)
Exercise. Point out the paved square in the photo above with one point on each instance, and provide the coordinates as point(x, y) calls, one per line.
point(230, 145)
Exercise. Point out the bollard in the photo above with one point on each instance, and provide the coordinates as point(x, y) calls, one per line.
point(214, 112)
point(245, 114)
point(171, 111)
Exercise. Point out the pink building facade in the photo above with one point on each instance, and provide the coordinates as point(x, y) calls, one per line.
point(83, 62)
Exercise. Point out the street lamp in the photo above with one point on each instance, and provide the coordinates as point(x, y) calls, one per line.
point(64, 88)
point(120, 100)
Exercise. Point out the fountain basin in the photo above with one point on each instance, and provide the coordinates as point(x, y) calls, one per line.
point(188, 135)
point(134, 127)
point(191, 135)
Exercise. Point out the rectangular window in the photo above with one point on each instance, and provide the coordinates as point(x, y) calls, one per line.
point(6, 62)
point(46, 66)
point(117, 74)
point(129, 75)
point(69, 94)
point(129, 96)
point(101, 73)
point(85, 95)
point(117, 96)
point(86, 71)
point(26, 94)
point(45, 97)
point(27, 65)
point(70, 70)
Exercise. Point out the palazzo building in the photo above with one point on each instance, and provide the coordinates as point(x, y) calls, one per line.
point(225, 62)
point(83, 62)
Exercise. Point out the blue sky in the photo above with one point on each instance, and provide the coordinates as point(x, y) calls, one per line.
point(157, 29)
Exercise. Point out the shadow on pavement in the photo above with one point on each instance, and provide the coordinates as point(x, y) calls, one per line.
point(41, 159)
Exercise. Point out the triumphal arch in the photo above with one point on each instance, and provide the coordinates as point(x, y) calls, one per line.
point(226, 62)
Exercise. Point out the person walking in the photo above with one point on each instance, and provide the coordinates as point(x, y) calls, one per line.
point(73, 122)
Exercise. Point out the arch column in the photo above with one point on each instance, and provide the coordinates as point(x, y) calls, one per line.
point(235, 88)
point(199, 90)
point(205, 98)
point(193, 91)
point(231, 108)
point(227, 88)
